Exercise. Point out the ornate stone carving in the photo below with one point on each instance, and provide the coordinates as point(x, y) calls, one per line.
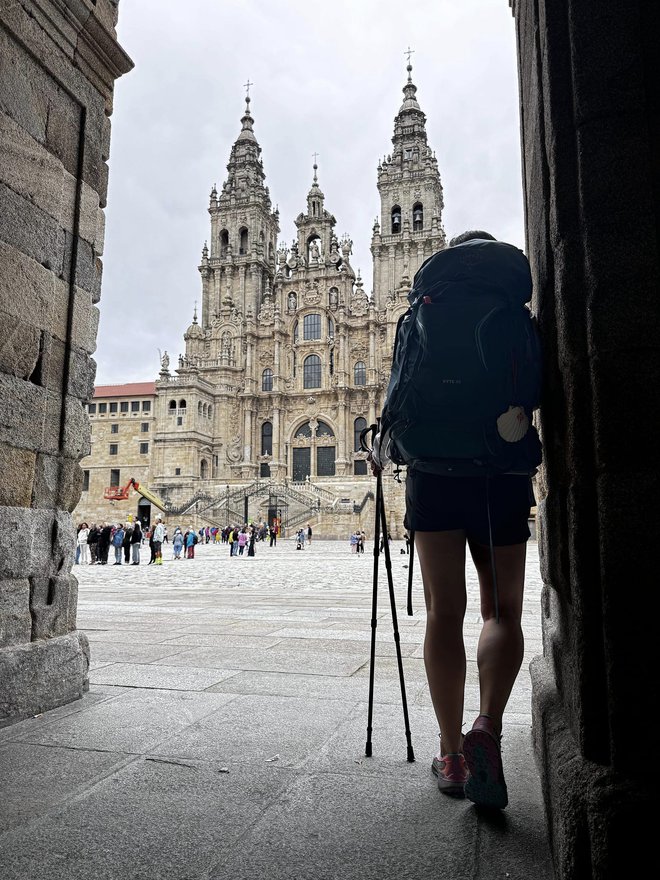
point(234, 451)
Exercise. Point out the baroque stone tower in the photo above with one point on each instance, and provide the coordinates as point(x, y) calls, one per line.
point(290, 359)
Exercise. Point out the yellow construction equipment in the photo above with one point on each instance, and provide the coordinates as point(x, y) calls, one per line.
point(120, 493)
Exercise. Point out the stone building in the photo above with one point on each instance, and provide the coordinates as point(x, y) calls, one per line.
point(122, 427)
point(289, 359)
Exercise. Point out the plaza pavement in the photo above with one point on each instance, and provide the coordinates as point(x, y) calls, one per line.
point(224, 731)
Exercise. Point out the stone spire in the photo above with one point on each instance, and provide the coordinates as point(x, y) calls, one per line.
point(315, 196)
point(245, 179)
point(410, 121)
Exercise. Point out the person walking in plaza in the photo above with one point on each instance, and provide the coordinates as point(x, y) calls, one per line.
point(309, 534)
point(126, 543)
point(105, 535)
point(486, 511)
point(118, 542)
point(273, 535)
point(191, 540)
point(83, 536)
point(93, 543)
point(242, 540)
point(177, 542)
point(158, 537)
point(136, 542)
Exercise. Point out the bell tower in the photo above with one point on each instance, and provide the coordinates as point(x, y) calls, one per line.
point(410, 225)
point(239, 266)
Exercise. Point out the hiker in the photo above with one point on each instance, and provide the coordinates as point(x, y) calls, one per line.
point(486, 507)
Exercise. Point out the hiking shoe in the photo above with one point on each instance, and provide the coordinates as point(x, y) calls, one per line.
point(486, 786)
point(452, 774)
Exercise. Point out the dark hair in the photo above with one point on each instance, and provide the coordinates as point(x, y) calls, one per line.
point(471, 236)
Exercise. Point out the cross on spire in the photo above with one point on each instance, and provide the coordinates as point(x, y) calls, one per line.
point(247, 87)
point(409, 52)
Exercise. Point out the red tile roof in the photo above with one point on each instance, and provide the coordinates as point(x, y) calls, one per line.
point(131, 389)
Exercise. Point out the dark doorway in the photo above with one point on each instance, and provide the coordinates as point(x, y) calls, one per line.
point(301, 464)
point(144, 512)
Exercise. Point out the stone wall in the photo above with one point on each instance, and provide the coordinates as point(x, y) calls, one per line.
point(590, 108)
point(58, 63)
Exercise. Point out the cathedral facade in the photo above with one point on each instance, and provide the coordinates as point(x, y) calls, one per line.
point(289, 358)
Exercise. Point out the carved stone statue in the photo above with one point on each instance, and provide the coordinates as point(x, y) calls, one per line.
point(315, 250)
point(293, 302)
point(333, 297)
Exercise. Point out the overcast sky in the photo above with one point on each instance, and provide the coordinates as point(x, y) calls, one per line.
point(327, 79)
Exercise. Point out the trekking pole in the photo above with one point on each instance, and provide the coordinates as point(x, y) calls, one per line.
point(382, 524)
point(374, 618)
point(397, 641)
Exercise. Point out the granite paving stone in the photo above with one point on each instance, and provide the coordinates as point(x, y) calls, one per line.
point(133, 722)
point(223, 735)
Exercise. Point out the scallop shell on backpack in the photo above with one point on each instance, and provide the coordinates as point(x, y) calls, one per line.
point(513, 424)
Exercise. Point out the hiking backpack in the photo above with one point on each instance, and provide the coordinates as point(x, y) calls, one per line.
point(466, 367)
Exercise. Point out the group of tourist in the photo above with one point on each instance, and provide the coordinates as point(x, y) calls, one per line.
point(94, 541)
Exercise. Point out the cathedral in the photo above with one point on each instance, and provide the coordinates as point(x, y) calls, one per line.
point(289, 358)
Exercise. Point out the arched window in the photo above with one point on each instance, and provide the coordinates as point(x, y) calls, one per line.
point(210, 412)
point(172, 404)
point(418, 217)
point(243, 239)
point(267, 380)
point(199, 408)
point(312, 371)
point(204, 410)
point(182, 404)
point(396, 220)
point(358, 427)
point(203, 469)
point(267, 438)
point(224, 242)
point(303, 432)
point(360, 373)
point(323, 429)
point(312, 327)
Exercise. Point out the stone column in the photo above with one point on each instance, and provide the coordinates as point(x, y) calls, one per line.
point(58, 63)
point(590, 100)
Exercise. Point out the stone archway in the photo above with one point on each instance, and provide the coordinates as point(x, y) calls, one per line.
point(590, 132)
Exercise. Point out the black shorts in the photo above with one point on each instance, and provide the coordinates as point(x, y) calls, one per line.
point(437, 503)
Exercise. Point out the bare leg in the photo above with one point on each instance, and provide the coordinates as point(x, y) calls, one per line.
point(501, 645)
point(442, 561)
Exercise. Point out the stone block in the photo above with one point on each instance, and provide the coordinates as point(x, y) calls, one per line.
point(57, 482)
point(28, 419)
point(34, 173)
point(40, 675)
point(25, 89)
point(32, 231)
point(29, 292)
point(49, 605)
point(17, 467)
point(36, 543)
point(15, 620)
point(19, 346)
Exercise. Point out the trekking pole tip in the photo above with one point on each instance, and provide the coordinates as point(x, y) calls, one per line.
point(367, 750)
point(411, 755)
